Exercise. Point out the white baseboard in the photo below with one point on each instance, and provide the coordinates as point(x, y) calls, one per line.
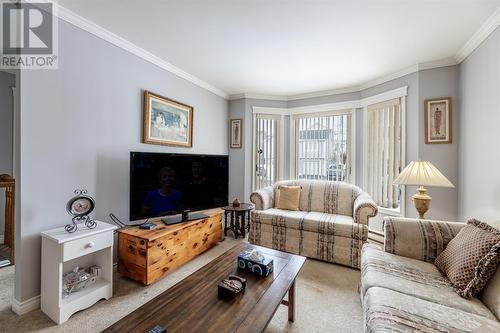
point(26, 306)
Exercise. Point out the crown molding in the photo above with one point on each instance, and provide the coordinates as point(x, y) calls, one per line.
point(98, 31)
point(406, 71)
point(333, 107)
point(451, 61)
point(390, 77)
point(480, 36)
point(321, 93)
point(258, 96)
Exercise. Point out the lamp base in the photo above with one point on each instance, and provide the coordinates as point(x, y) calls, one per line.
point(422, 201)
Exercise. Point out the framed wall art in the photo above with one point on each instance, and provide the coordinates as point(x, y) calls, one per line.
point(167, 122)
point(438, 127)
point(236, 133)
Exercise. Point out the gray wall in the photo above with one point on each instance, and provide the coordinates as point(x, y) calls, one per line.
point(7, 81)
point(440, 82)
point(237, 166)
point(324, 100)
point(79, 124)
point(479, 194)
point(437, 83)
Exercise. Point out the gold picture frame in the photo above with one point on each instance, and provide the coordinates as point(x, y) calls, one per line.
point(166, 122)
point(236, 133)
point(438, 125)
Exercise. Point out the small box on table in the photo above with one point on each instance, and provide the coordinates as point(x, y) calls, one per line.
point(254, 261)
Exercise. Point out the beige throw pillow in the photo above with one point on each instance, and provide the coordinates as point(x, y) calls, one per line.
point(287, 197)
point(471, 258)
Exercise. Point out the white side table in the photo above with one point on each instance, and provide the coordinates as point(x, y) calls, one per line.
point(61, 253)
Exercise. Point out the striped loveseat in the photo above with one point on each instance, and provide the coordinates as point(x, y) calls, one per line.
point(331, 225)
point(402, 291)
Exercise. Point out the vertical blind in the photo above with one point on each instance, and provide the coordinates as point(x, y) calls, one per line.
point(266, 151)
point(323, 147)
point(384, 146)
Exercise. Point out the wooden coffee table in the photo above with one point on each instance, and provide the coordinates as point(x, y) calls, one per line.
point(192, 305)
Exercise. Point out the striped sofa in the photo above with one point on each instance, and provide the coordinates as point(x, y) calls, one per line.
point(402, 291)
point(331, 225)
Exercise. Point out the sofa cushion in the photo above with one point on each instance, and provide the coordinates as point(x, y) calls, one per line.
point(471, 258)
point(287, 197)
point(414, 278)
point(323, 223)
point(387, 310)
point(325, 196)
point(333, 224)
point(280, 217)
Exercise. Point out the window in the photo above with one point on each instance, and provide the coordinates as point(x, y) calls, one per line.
point(266, 149)
point(323, 146)
point(384, 154)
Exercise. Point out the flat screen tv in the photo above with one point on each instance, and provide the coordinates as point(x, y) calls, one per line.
point(166, 184)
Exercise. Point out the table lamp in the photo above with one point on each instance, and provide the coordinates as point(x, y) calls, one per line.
point(422, 173)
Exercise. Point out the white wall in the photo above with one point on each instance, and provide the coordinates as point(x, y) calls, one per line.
point(7, 80)
point(479, 194)
point(78, 126)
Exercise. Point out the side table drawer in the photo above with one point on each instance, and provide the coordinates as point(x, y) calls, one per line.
point(87, 245)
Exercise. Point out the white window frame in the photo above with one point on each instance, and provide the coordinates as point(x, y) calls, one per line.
point(270, 113)
point(400, 93)
point(317, 112)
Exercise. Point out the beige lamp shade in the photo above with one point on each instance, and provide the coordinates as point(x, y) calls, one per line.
point(422, 173)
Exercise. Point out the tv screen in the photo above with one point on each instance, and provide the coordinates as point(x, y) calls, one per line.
point(165, 184)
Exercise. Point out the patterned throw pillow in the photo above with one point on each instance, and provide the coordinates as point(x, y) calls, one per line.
point(287, 197)
point(471, 258)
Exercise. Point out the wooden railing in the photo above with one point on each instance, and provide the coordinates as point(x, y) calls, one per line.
point(9, 184)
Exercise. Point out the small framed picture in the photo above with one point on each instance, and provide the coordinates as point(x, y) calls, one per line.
point(236, 133)
point(167, 122)
point(438, 127)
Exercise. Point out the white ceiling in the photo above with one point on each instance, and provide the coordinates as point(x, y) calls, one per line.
point(279, 47)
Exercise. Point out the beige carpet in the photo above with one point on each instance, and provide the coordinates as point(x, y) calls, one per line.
point(327, 300)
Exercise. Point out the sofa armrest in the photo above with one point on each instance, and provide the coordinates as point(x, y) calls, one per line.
point(418, 239)
point(263, 199)
point(364, 208)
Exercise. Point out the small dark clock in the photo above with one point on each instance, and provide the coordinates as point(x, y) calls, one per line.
point(80, 206)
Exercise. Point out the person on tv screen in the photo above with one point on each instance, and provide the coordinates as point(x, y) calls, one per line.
point(165, 200)
point(199, 189)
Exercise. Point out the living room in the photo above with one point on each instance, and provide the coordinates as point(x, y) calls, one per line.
point(335, 105)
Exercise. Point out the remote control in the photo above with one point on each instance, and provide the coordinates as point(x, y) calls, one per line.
point(157, 329)
point(147, 226)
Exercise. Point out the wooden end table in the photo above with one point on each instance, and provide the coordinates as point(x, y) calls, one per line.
point(239, 219)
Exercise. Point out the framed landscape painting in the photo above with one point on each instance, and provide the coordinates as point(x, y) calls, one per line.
point(167, 122)
point(236, 133)
point(438, 126)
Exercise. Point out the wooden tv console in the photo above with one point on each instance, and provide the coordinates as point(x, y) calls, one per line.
point(148, 255)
